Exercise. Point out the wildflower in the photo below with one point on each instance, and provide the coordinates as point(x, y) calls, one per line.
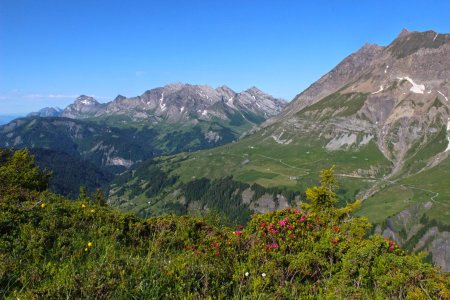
point(217, 253)
point(216, 245)
point(89, 244)
point(247, 274)
point(272, 246)
point(83, 205)
point(237, 232)
point(42, 205)
point(303, 217)
point(273, 231)
point(283, 222)
point(290, 227)
point(92, 210)
point(85, 249)
point(263, 274)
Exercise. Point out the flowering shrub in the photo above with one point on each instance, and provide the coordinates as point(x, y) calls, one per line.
point(81, 250)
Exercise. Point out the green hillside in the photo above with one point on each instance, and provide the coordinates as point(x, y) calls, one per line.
point(54, 248)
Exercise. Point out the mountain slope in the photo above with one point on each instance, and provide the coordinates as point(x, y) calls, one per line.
point(381, 116)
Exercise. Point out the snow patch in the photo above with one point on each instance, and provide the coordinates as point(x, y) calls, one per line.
point(435, 36)
point(182, 109)
point(385, 70)
point(204, 113)
point(381, 89)
point(161, 104)
point(230, 102)
point(442, 94)
point(416, 88)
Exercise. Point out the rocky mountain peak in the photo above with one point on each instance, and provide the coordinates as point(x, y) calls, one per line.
point(254, 91)
point(86, 100)
point(403, 33)
point(47, 112)
point(119, 98)
point(408, 43)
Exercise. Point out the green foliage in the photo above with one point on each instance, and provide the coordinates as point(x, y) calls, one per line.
point(19, 175)
point(52, 248)
point(224, 195)
point(67, 181)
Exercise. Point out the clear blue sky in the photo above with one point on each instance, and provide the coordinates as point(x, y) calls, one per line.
point(53, 50)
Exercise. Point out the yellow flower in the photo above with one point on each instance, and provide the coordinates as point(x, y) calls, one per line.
point(89, 244)
point(85, 249)
point(42, 205)
point(83, 205)
point(92, 210)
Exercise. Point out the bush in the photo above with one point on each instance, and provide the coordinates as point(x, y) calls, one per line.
point(54, 248)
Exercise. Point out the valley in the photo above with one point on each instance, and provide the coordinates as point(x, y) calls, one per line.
point(380, 117)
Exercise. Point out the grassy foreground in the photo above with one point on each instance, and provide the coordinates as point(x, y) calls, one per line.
point(52, 248)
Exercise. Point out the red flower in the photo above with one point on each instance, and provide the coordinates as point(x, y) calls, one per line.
point(215, 244)
point(283, 222)
point(273, 231)
point(272, 246)
point(237, 232)
point(303, 217)
point(290, 227)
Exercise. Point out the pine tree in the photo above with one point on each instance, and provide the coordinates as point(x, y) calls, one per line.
point(99, 198)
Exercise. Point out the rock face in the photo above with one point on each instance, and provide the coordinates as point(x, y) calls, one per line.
point(175, 103)
point(47, 112)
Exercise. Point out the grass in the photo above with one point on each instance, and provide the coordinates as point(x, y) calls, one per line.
point(430, 185)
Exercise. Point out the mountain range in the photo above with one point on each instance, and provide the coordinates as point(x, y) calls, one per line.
point(116, 135)
point(381, 117)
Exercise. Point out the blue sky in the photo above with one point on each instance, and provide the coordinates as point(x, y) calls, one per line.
point(51, 51)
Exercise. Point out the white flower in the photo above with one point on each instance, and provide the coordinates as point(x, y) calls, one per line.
point(247, 274)
point(263, 274)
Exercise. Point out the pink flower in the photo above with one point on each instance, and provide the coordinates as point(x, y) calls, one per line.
point(237, 232)
point(290, 227)
point(273, 231)
point(283, 222)
point(272, 246)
